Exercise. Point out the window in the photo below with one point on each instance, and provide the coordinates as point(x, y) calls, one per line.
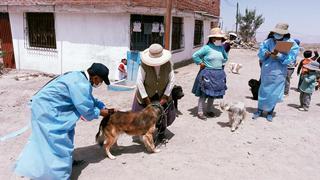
point(146, 30)
point(198, 33)
point(177, 33)
point(40, 30)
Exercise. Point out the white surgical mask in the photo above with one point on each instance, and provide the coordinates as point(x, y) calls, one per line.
point(278, 36)
point(217, 42)
point(97, 85)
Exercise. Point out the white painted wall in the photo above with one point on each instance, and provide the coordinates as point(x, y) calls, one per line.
point(189, 49)
point(27, 58)
point(88, 38)
point(82, 39)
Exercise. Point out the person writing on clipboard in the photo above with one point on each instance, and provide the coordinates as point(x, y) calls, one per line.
point(275, 54)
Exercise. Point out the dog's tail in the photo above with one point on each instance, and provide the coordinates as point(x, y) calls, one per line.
point(100, 135)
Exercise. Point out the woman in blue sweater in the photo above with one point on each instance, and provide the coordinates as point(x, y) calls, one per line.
point(210, 82)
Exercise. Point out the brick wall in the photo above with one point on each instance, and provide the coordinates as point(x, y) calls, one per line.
point(210, 6)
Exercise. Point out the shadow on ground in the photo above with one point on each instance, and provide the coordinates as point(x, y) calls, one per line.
point(194, 112)
point(296, 106)
point(223, 124)
point(94, 153)
point(251, 109)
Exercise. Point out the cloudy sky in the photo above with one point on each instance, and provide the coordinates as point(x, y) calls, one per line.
point(303, 16)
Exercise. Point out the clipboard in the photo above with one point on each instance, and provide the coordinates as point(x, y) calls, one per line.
point(283, 46)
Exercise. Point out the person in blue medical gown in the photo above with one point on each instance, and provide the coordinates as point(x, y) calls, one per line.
point(55, 110)
point(274, 70)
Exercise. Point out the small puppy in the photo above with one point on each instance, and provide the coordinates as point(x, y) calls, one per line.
point(235, 67)
point(254, 85)
point(236, 112)
point(132, 123)
point(177, 93)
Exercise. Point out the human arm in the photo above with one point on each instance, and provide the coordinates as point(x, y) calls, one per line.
point(289, 57)
point(170, 85)
point(299, 67)
point(199, 55)
point(140, 85)
point(264, 52)
point(309, 79)
point(81, 96)
point(225, 56)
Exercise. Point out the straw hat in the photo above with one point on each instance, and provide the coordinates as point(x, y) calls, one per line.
point(155, 55)
point(313, 65)
point(281, 28)
point(216, 32)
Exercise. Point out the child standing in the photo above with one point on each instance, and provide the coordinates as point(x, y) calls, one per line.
point(308, 85)
point(122, 69)
point(307, 59)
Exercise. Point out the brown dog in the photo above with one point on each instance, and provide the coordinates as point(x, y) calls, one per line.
point(132, 123)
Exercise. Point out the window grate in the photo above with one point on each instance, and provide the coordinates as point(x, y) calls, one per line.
point(146, 30)
point(177, 33)
point(40, 31)
point(198, 33)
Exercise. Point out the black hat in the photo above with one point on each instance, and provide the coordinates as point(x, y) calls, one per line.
point(101, 70)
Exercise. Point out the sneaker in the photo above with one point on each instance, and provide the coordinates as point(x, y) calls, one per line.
point(256, 114)
point(202, 116)
point(269, 117)
point(210, 114)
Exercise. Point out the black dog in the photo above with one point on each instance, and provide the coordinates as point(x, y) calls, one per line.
point(177, 93)
point(254, 84)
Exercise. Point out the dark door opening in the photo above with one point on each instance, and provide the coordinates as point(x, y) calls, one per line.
point(6, 46)
point(146, 30)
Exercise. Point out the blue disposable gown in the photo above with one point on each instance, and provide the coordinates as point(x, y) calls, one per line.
point(55, 111)
point(273, 73)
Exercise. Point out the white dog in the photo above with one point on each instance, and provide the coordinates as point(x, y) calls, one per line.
point(236, 112)
point(235, 67)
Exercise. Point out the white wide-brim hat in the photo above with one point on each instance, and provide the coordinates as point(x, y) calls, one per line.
point(281, 28)
point(217, 33)
point(155, 55)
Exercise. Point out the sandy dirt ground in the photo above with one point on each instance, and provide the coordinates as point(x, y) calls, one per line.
point(287, 148)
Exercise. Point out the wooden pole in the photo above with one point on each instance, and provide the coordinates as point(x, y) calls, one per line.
point(168, 25)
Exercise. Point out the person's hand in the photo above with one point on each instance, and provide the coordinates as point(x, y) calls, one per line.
point(267, 54)
point(164, 99)
point(104, 112)
point(147, 101)
point(202, 66)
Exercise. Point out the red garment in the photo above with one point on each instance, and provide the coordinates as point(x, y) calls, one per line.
point(121, 66)
point(302, 63)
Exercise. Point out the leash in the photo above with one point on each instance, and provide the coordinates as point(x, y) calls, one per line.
point(163, 117)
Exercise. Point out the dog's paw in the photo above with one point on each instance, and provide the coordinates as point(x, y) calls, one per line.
point(156, 150)
point(112, 157)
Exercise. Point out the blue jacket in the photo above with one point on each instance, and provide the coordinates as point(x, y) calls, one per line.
point(308, 82)
point(55, 110)
point(273, 73)
point(211, 55)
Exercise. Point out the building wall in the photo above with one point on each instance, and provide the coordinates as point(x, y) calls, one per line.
point(81, 40)
point(210, 6)
point(189, 49)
